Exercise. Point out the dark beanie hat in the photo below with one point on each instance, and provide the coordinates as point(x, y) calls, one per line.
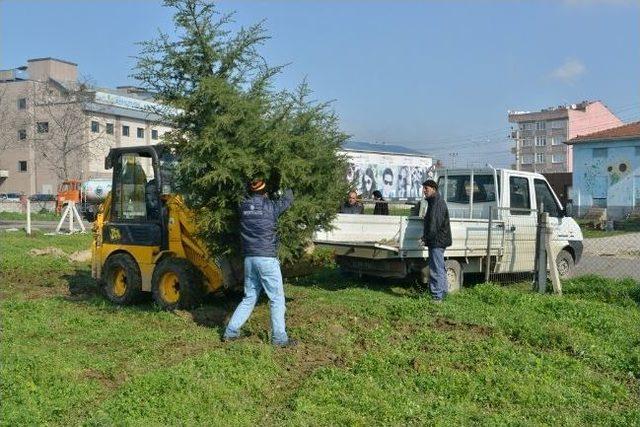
point(430, 183)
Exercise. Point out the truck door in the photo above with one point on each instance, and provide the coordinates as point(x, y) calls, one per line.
point(520, 222)
point(547, 200)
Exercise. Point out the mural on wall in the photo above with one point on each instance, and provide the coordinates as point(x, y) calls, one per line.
point(618, 170)
point(591, 172)
point(609, 178)
point(395, 176)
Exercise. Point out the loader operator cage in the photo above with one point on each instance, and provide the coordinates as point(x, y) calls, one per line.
point(140, 175)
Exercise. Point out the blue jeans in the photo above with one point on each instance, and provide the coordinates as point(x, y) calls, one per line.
point(437, 274)
point(261, 273)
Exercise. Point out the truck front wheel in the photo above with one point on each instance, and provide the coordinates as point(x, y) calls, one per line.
point(565, 264)
point(176, 283)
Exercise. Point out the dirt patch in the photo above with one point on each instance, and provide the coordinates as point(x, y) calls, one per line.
point(49, 250)
point(211, 316)
point(107, 381)
point(444, 324)
point(81, 256)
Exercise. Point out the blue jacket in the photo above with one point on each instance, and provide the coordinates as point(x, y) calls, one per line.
point(258, 223)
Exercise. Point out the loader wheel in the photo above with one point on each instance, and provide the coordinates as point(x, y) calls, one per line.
point(454, 275)
point(176, 283)
point(565, 264)
point(122, 284)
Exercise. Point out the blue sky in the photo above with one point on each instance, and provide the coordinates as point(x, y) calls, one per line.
point(435, 76)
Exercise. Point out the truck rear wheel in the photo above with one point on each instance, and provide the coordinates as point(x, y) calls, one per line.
point(122, 281)
point(454, 275)
point(176, 283)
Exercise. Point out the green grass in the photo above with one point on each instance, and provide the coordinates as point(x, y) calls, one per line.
point(371, 353)
point(35, 216)
point(622, 227)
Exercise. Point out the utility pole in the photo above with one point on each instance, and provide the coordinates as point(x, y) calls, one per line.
point(453, 158)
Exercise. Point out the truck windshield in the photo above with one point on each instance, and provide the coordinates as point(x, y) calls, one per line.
point(458, 188)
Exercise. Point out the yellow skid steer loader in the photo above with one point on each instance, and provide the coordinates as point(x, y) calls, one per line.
point(144, 237)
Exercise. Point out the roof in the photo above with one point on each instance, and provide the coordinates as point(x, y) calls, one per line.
point(51, 59)
point(628, 131)
point(380, 148)
point(551, 113)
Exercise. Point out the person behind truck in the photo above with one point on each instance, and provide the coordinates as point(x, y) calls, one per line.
point(381, 207)
point(258, 231)
point(436, 236)
point(352, 205)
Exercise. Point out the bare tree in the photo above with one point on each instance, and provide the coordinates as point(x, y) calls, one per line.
point(8, 132)
point(63, 137)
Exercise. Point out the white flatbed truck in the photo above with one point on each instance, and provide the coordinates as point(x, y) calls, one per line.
point(390, 246)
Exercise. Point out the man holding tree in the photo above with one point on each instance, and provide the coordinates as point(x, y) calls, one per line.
point(258, 230)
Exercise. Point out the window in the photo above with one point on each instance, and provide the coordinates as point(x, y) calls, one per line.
point(527, 159)
point(95, 127)
point(600, 153)
point(527, 142)
point(140, 132)
point(545, 197)
point(519, 195)
point(22, 166)
point(558, 158)
point(22, 103)
point(540, 158)
point(109, 129)
point(557, 140)
point(527, 126)
point(125, 130)
point(458, 188)
point(558, 124)
point(154, 134)
point(42, 127)
point(541, 125)
point(541, 141)
point(132, 190)
point(22, 134)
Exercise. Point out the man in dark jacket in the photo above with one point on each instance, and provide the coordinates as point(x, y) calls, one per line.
point(437, 237)
point(352, 205)
point(258, 230)
point(381, 207)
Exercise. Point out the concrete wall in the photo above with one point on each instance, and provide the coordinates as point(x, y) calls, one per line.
point(7, 206)
point(614, 179)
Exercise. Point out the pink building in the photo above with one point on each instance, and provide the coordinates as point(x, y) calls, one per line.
point(540, 136)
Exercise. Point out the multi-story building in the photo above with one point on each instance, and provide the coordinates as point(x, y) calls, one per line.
point(540, 136)
point(54, 126)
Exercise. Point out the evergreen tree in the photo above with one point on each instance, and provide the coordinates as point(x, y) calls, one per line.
point(234, 127)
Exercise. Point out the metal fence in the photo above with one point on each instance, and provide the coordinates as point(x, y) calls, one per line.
point(513, 245)
point(610, 248)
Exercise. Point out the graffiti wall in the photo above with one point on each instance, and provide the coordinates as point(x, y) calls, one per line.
point(396, 176)
point(607, 175)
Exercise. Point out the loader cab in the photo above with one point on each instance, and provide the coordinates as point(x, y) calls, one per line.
point(139, 179)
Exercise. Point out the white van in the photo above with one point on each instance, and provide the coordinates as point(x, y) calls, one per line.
point(390, 246)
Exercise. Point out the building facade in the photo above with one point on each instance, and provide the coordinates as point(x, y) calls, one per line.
point(607, 170)
point(539, 137)
point(54, 126)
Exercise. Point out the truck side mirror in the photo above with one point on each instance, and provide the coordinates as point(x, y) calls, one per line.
point(568, 209)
